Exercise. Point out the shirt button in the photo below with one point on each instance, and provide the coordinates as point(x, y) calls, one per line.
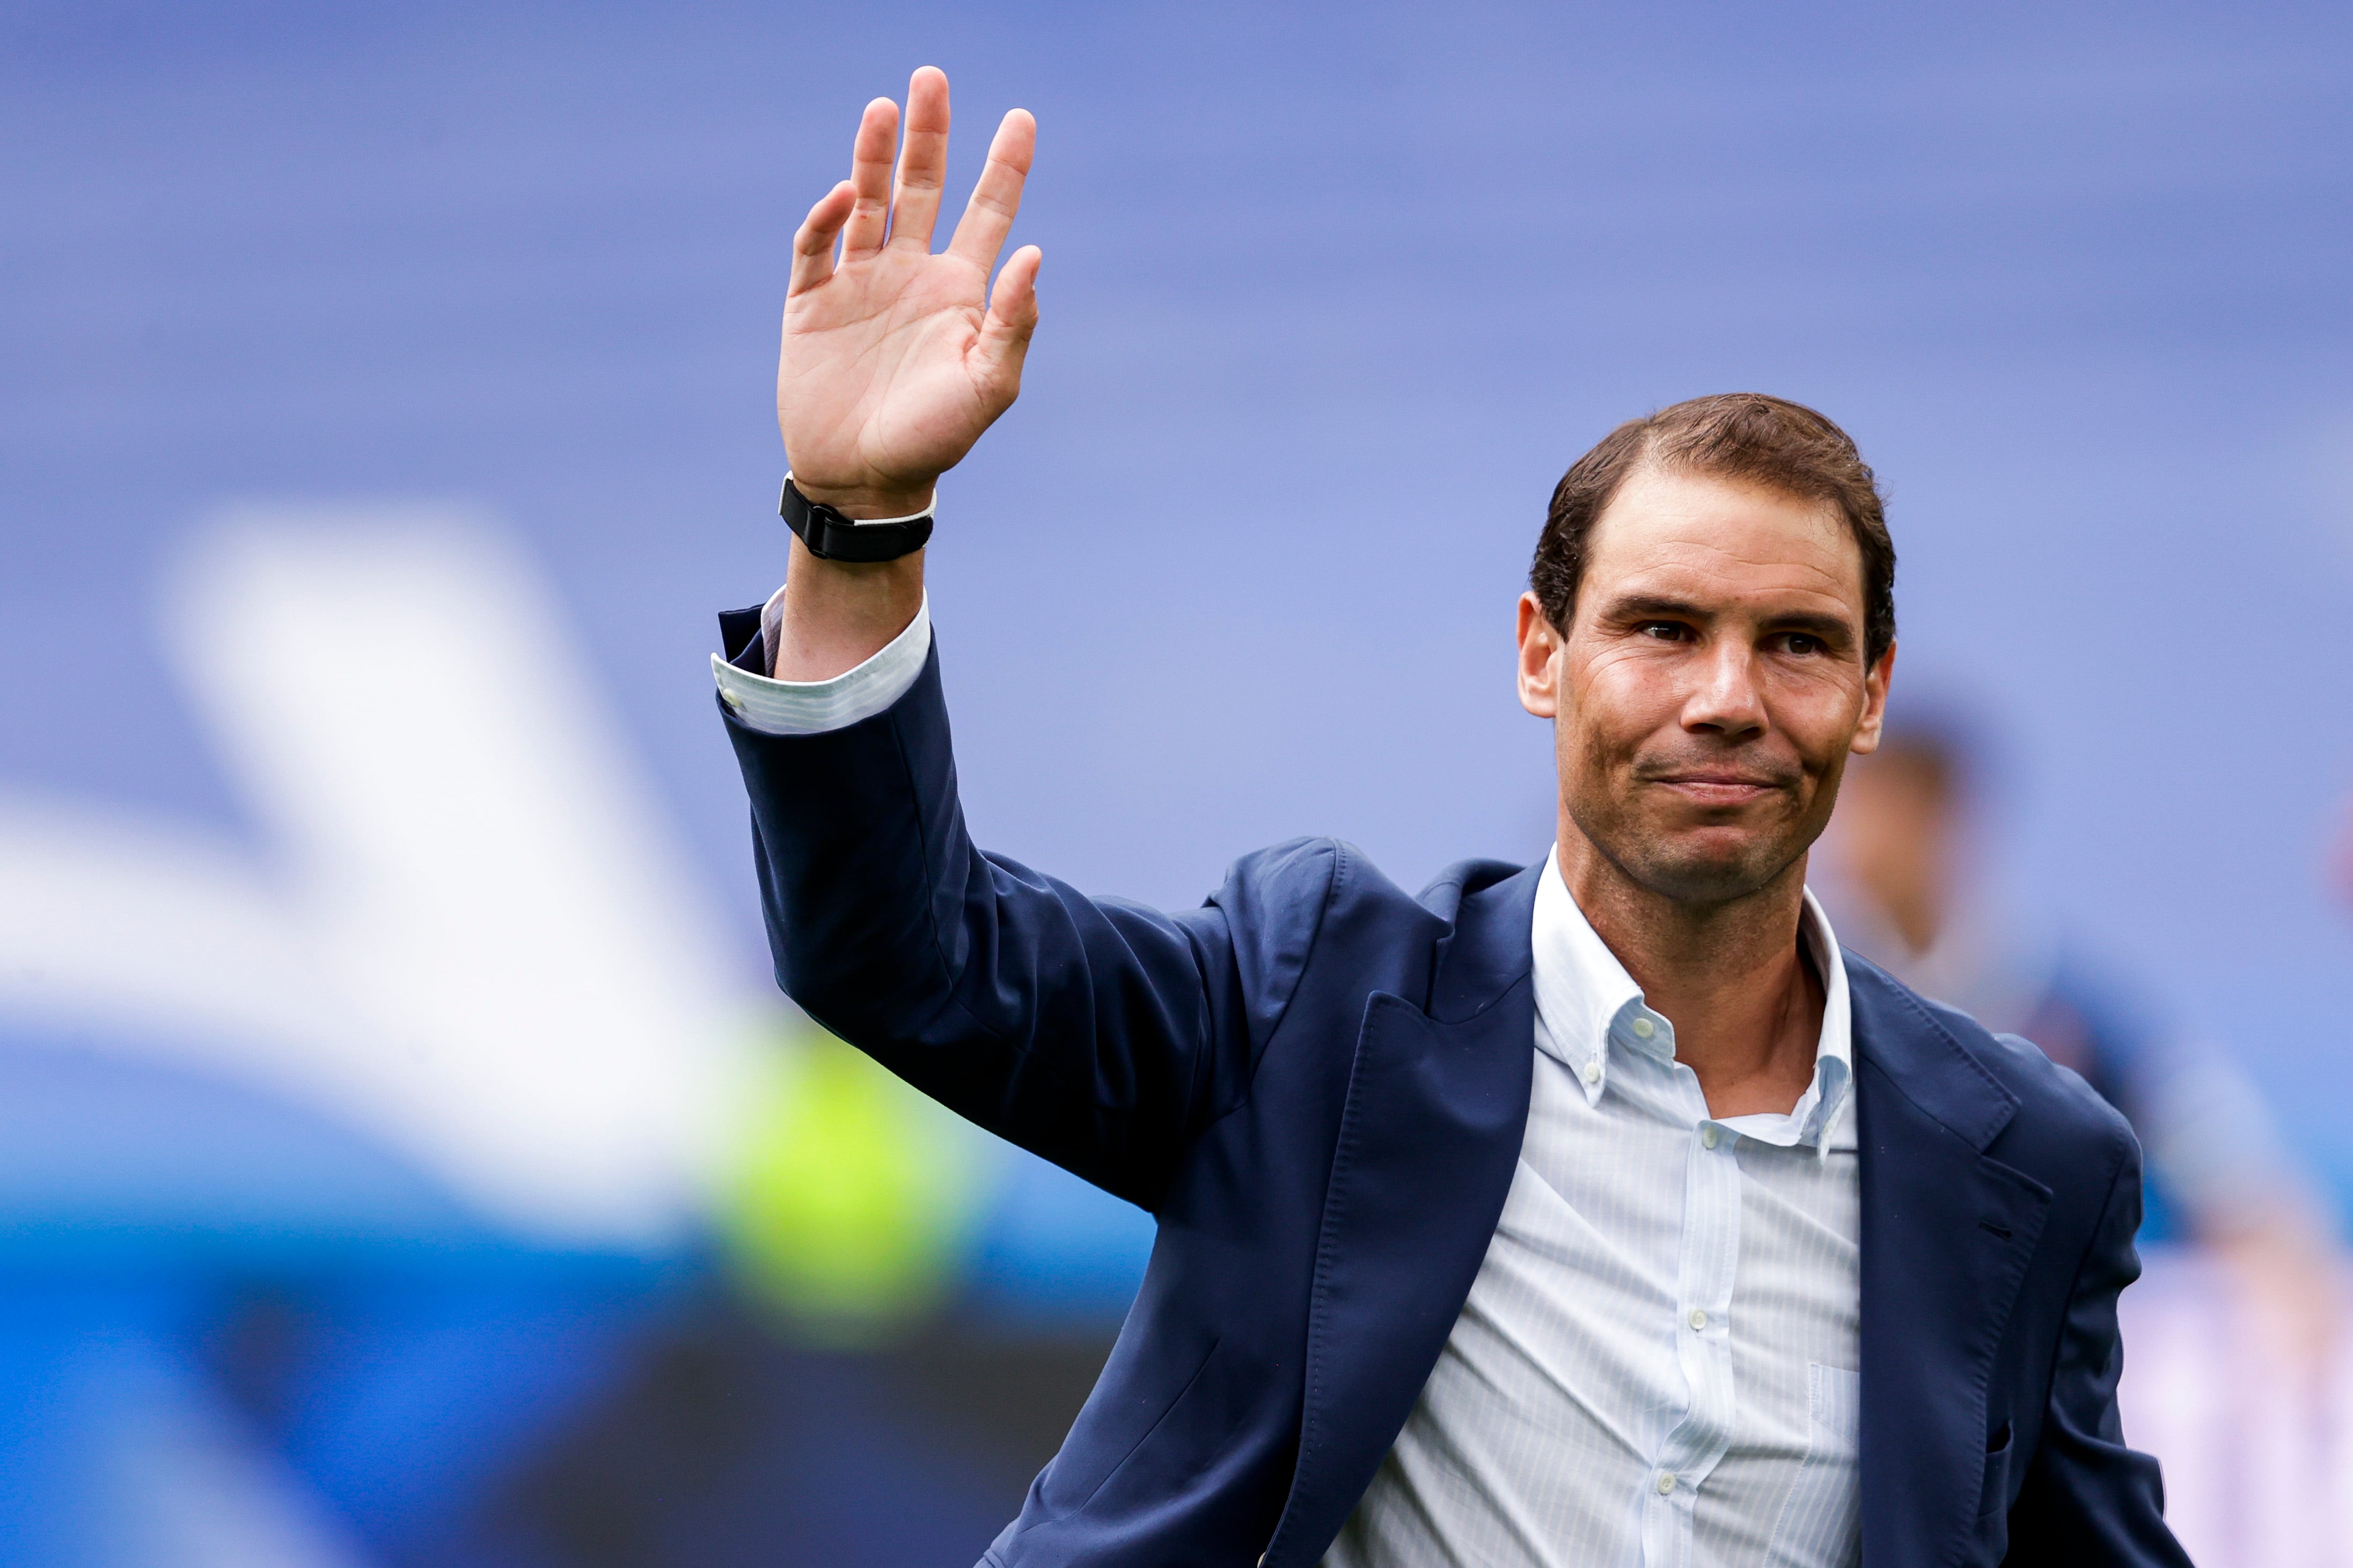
point(1699, 1317)
point(1593, 1072)
point(1707, 1137)
point(1666, 1483)
point(1644, 1029)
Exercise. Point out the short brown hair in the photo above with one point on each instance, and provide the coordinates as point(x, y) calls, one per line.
point(1741, 436)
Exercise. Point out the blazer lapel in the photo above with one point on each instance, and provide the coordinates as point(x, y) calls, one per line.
point(1437, 1105)
point(1946, 1236)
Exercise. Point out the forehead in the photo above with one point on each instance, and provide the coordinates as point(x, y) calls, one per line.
point(1724, 542)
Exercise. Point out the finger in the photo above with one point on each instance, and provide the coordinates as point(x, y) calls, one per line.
point(870, 177)
point(1012, 317)
point(813, 241)
point(923, 160)
point(988, 217)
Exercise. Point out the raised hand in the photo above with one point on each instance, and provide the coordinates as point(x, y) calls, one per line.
point(895, 359)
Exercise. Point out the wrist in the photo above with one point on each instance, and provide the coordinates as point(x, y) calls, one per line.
point(837, 614)
point(864, 503)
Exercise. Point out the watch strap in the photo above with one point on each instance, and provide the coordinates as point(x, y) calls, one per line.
point(830, 536)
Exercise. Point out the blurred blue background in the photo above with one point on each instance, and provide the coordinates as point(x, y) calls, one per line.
point(317, 1248)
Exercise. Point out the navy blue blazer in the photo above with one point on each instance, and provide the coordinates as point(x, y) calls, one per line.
point(1317, 1085)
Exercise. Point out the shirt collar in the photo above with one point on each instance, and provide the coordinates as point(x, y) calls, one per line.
point(1586, 1002)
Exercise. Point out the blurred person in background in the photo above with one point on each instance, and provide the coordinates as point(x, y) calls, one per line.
point(1905, 876)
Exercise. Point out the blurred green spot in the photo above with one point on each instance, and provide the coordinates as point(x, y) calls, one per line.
point(854, 1193)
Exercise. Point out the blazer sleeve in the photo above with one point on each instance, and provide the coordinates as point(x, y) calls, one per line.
point(1095, 1032)
point(2088, 1501)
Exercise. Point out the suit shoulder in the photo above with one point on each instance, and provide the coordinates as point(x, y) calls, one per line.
point(1281, 905)
point(1309, 893)
point(1306, 871)
point(1297, 870)
point(1273, 903)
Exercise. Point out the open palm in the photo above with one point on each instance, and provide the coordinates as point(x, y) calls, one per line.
point(895, 360)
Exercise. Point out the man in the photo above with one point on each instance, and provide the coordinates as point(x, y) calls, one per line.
point(1595, 1212)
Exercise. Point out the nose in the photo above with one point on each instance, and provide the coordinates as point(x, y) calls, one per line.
point(1725, 702)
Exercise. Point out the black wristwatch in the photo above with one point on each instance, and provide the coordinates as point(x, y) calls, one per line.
point(833, 537)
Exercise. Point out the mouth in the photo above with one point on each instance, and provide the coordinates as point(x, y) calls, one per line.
point(1719, 788)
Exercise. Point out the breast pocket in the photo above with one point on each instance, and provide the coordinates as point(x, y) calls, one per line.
point(1822, 1522)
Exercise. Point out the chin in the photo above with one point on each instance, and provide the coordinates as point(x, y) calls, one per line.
point(1697, 874)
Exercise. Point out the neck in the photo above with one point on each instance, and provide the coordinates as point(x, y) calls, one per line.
point(1732, 977)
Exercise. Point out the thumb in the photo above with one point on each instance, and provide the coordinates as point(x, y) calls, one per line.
point(1012, 317)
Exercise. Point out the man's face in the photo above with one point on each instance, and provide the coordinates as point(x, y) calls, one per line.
point(1711, 682)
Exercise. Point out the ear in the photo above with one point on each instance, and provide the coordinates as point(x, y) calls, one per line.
point(1874, 704)
point(1540, 648)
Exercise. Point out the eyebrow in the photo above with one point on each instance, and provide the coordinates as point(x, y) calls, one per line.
point(1644, 606)
point(1649, 606)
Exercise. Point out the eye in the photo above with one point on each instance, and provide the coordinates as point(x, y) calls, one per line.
point(1802, 643)
point(1666, 631)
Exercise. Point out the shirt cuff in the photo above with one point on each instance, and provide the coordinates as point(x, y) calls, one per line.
point(814, 707)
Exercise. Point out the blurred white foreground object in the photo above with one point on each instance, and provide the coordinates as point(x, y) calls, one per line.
point(2258, 1452)
point(468, 934)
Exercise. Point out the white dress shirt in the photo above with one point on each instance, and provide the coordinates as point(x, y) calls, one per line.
point(1657, 1363)
point(813, 707)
